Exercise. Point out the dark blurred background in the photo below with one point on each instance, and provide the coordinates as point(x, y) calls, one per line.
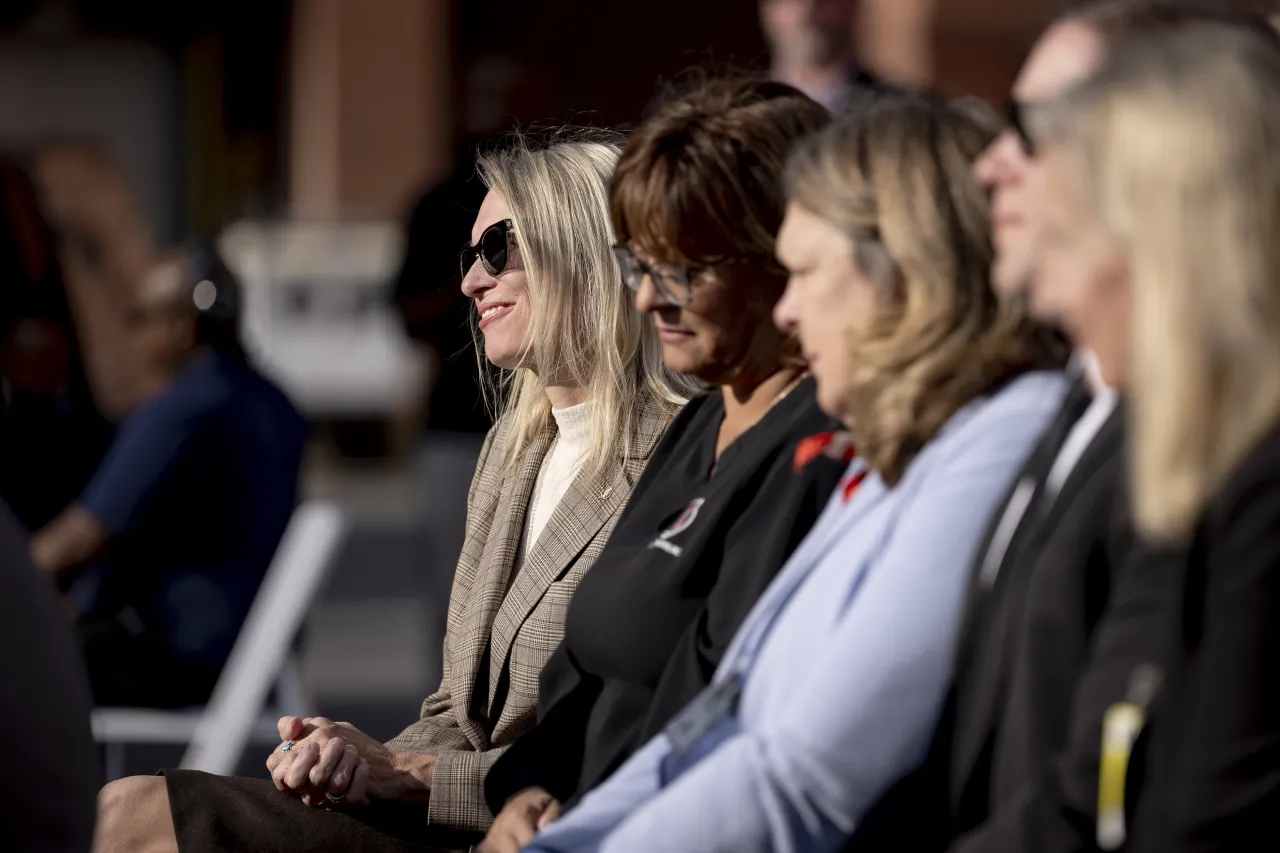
point(301, 135)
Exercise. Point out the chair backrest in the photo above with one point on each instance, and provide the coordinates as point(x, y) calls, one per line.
point(299, 567)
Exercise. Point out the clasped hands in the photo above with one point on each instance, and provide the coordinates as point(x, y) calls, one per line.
point(335, 765)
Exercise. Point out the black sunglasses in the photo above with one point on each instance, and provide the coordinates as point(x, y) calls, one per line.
point(1015, 115)
point(493, 249)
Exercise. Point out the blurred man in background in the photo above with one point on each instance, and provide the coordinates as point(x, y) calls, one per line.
point(52, 434)
point(811, 47)
point(187, 508)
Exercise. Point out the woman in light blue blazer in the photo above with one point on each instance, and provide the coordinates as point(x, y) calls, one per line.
point(831, 690)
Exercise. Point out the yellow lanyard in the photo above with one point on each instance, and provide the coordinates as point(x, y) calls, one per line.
point(1121, 725)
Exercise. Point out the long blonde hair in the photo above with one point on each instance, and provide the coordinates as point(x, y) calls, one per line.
point(584, 329)
point(1180, 139)
point(895, 176)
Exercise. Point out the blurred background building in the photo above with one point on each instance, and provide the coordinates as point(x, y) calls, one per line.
point(321, 141)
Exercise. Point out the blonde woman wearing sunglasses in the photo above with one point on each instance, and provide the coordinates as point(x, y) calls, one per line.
point(583, 397)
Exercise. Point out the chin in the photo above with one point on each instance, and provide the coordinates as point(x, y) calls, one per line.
point(1010, 277)
point(502, 359)
point(682, 361)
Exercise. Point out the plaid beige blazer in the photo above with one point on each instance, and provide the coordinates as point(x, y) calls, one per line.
point(518, 620)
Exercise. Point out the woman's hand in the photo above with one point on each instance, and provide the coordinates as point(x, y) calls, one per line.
point(524, 815)
point(339, 760)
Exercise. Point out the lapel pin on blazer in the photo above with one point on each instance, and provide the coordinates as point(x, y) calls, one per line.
point(1121, 725)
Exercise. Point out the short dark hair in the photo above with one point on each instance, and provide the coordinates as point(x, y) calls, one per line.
point(1117, 20)
point(702, 176)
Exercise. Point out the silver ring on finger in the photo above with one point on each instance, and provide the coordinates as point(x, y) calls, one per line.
point(288, 745)
point(335, 800)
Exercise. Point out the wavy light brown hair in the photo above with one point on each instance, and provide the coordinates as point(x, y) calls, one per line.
point(896, 178)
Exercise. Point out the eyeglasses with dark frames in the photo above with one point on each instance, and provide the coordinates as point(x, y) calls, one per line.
point(493, 249)
point(674, 285)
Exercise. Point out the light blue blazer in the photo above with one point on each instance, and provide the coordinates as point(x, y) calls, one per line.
point(841, 698)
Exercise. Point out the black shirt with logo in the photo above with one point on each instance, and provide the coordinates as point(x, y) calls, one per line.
point(696, 546)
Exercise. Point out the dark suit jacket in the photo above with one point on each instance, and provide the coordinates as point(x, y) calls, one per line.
point(44, 712)
point(1027, 643)
point(1205, 772)
point(1024, 641)
point(1211, 748)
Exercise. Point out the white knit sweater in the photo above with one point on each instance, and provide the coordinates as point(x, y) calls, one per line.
point(559, 468)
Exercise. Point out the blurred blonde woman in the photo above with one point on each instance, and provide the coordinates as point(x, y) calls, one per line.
point(1168, 163)
point(583, 397)
point(829, 692)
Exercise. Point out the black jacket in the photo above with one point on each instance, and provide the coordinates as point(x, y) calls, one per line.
point(1027, 644)
point(1204, 773)
point(1206, 770)
point(1025, 640)
point(649, 623)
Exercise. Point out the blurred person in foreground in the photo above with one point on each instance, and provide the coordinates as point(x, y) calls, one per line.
point(584, 399)
point(829, 692)
point(1055, 552)
point(811, 48)
point(44, 712)
point(720, 507)
point(185, 512)
point(1166, 162)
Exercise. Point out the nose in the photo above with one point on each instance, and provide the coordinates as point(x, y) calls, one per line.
point(1000, 161)
point(477, 281)
point(784, 316)
point(647, 298)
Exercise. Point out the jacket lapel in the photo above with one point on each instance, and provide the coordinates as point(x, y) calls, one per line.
point(589, 504)
point(497, 562)
point(991, 638)
point(981, 650)
point(1102, 448)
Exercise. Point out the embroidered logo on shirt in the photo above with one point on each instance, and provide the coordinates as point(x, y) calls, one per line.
point(675, 528)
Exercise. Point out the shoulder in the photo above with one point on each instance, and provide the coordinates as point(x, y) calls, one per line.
point(1253, 489)
point(693, 418)
point(652, 418)
point(493, 452)
point(190, 399)
point(1003, 424)
point(1030, 399)
point(805, 416)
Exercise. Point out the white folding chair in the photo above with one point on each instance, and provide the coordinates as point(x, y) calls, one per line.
point(217, 734)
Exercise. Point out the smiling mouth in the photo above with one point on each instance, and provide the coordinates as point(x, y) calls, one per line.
point(494, 312)
point(668, 333)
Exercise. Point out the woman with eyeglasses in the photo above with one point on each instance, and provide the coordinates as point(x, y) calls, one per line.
point(697, 200)
point(829, 692)
point(584, 398)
